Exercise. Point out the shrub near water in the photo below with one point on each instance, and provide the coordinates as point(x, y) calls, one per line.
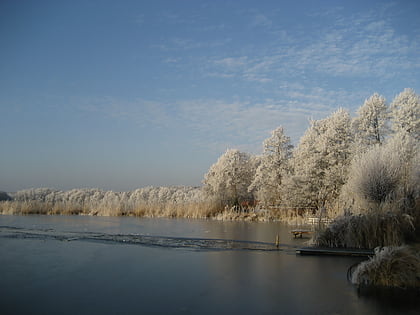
point(367, 231)
point(390, 267)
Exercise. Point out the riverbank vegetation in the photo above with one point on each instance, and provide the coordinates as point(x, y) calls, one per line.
point(397, 267)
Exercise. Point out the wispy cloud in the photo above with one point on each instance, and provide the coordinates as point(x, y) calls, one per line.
point(183, 44)
point(218, 124)
point(244, 67)
point(262, 20)
point(171, 60)
point(145, 113)
point(359, 46)
point(295, 72)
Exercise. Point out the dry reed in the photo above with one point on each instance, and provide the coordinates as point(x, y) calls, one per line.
point(206, 209)
point(390, 267)
point(367, 231)
point(165, 209)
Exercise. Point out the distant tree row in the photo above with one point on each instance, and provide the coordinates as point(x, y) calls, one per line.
point(334, 152)
point(95, 197)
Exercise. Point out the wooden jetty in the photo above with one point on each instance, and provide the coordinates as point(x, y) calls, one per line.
point(300, 232)
point(335, 251)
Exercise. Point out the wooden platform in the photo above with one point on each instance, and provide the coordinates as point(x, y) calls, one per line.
point(299, 233)
point(335, 251)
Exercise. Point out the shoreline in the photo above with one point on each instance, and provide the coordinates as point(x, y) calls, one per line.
point(192, 210)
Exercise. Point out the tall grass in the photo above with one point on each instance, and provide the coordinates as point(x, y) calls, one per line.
point(367, 231)
point(204, 209)
point(390, 267)
point(168, 209)
point(39, 207)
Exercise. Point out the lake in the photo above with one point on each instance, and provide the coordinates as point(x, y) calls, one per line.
point(128, 265)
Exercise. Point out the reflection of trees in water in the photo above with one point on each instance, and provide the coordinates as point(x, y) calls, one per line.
point(301, 284)
point(252, 275)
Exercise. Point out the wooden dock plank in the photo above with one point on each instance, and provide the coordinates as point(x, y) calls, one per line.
point(335, 251)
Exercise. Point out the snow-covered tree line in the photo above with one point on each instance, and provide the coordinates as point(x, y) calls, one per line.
point(340, 163)
point(332, 154)
point(98, 197)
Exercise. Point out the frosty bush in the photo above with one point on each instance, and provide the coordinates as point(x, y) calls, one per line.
point(375, 175)
point(390, 267)
point(385, 177)
point(367, 231)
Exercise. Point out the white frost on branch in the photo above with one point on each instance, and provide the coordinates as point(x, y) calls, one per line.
point(274, 165)
point(229, 178)
point(405, 110)
point(370, 125)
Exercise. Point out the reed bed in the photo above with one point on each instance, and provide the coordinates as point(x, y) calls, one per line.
point(206, 209)
point(367, 231)
point(39, 207)
point(396, 267)
point(167, 209)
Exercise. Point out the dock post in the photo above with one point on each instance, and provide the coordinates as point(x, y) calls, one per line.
point(277, 241)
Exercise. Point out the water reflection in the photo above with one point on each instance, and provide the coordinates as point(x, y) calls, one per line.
point(96, 278)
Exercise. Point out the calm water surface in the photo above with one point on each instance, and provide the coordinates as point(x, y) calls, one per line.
point(44, 275)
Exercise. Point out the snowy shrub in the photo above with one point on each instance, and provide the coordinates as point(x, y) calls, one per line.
point(375, 176)
point(390, 267)
point(385, 177)
point(366, 231)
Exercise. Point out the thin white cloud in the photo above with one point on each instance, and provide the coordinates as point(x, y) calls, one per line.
point(244, 67)
point(262, 20)
point(171, 60)
point(218, 124)
point(364, 46)
point(145, 113)
point(232, 63)
point(139, 19)
point(361, 47)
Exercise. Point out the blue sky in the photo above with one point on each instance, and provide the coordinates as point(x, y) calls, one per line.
point(125, 94)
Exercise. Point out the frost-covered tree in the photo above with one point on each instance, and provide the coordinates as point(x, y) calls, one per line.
point(405, 112)
point(274, 165)
point(320, 161)
point(229, 178)
point(370, 125)
point(96, 197)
